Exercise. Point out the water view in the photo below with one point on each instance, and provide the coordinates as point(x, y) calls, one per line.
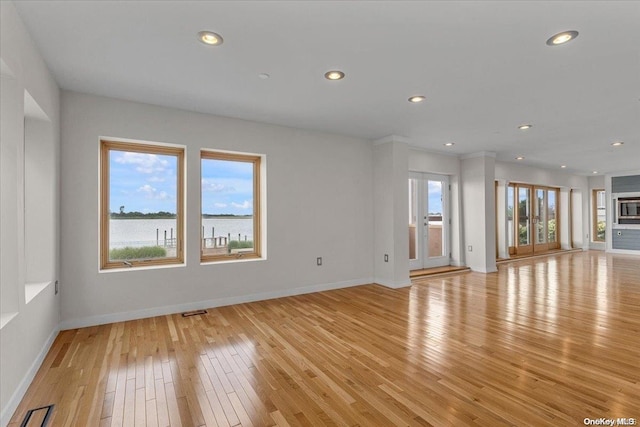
point(151, 232)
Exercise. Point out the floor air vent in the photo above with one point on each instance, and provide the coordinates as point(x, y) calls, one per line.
point(194, 313)
point(38, 417)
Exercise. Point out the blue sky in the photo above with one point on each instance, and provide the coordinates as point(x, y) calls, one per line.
point(227, 187)
point(435, 195)
point(142, 182)
point(147, 183)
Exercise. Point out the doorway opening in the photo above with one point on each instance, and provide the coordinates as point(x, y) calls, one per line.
point(429, 221)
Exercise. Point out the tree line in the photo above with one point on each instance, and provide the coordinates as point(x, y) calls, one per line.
point(165, 215)
point(141, 215)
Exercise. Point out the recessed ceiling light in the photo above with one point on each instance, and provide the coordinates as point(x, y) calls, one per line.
point(449, 144)
point(519, 158)
point(563, 166)
point(264, 76)
point(417, 98)
point(617, 143)
point(334, 75)
point(525, 127)
point(562, 38)
point(210, 38)
point(595, 172)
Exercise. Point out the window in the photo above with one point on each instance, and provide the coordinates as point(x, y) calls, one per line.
point(230, 206)
point(141, 202)
point(600, 199)
point(599, 218)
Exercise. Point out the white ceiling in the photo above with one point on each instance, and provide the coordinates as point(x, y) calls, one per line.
point(483, 66)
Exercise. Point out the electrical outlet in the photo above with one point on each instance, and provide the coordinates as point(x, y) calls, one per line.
point(319, 260)
point(386, 257)
point(56, 288)
point(470, 248)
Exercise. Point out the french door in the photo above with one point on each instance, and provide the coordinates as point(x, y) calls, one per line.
point(532, 214)
point(428, 220)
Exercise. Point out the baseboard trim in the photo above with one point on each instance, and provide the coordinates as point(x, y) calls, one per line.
point(623, 251)
point(18, 394)
point(201, 305)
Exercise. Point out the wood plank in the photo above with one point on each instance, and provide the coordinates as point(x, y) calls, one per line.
point(544, 341)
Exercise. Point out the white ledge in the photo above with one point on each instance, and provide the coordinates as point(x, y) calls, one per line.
point(140, 268)
point(231, 260)
point(31, 290)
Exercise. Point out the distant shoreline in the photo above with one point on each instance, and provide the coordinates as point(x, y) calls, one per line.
point(227, 216)
point(205, 216)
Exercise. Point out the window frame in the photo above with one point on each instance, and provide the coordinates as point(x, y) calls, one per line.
point(256, 159)
point(108, 145)
point(594, 214)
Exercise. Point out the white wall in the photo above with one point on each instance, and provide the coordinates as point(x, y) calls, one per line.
point(391, 211)
point(40, 204)
point(28, 327)
point(11, 178)
point(478, 202)
point(319, 204)
point(429, 162)
point(384, 213)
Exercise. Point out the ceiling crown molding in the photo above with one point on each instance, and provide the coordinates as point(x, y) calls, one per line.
point(391, 138)
point(478, 154)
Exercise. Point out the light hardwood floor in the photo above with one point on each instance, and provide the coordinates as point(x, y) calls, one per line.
point(548, 341)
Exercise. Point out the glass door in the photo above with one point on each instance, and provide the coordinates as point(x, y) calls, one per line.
point(428, 221)
point(523, 213)
point(552, 225)
point(540, 220)
point(536, 228)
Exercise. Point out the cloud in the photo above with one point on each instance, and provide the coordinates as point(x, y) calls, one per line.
point(212, 186)
point(144, 162)
point(435, 186)
point(152, 193)
point(245, 205)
